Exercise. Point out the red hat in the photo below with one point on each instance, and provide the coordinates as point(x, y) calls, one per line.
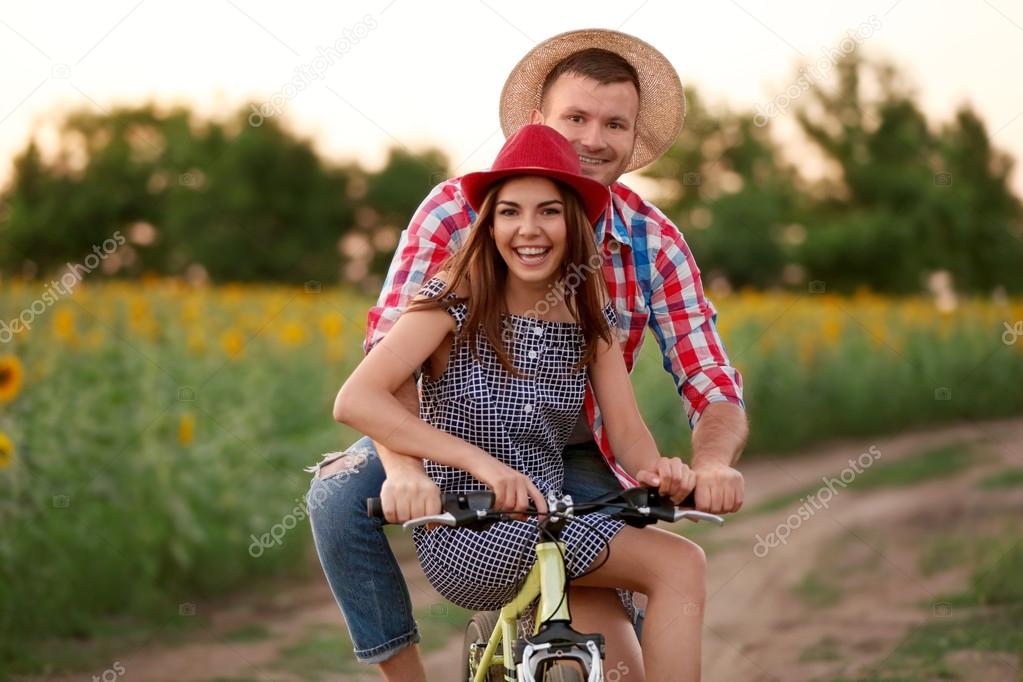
point(537, 149)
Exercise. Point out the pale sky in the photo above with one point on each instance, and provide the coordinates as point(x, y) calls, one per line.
point(430, 73)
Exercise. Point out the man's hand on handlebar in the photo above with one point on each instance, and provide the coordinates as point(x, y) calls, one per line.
point(719, 488)
point(408, 493)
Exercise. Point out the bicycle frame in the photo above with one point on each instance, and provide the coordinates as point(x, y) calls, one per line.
point(546, 579)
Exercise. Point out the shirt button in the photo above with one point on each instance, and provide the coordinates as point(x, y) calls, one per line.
point(613, 246)
point(527, 408)
point(538, 331)
point(532, 355)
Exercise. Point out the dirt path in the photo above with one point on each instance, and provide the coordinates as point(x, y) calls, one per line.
point(865, 546)
point(757, 629)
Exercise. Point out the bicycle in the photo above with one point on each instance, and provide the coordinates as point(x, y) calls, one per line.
point(555, 652)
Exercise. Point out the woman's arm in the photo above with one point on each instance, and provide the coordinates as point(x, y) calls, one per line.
point(367, 403)
point(631, 441)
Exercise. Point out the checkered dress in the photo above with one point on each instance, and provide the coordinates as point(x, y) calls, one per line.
point(523, 422)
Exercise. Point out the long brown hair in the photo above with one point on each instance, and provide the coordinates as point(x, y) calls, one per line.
point(481, 266)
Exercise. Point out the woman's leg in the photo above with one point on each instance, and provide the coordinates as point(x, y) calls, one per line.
point(600, 610)
point(672, 576)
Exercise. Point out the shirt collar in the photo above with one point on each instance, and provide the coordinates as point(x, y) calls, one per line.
point(613, 217)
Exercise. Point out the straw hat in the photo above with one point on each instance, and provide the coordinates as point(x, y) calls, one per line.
point(661, 99)
point(538, 150)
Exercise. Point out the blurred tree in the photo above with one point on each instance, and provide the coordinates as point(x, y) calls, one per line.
point(906, 201)
point(392, 196)
point(898, 201)
point(726, 187)
point(228, 199)
point(242, 202)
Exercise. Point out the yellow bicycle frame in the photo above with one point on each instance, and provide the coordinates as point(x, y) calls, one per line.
point(547, 579)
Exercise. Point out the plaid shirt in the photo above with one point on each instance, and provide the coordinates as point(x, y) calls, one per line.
point(651, 277)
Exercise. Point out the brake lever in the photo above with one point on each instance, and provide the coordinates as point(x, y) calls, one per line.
point(445, 519)
point(694, 515)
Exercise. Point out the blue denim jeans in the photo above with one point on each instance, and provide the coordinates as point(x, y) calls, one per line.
point(358, 562)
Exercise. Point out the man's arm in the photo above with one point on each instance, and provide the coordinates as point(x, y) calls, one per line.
point(718, 439)
point(720, 435)
point(682, 320)
point(407, 492)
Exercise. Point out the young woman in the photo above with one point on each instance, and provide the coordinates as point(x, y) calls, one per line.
point(506, 349)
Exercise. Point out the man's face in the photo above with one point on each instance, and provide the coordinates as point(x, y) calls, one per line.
point(599, 121)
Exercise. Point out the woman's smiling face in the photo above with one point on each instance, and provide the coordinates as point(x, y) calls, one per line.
point(529, 229)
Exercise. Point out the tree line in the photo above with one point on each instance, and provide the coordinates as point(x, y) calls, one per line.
point(868, 193)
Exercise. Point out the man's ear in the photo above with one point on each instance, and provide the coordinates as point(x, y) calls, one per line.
point(536, 116)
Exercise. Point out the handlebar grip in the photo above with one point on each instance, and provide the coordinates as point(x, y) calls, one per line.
point(374, 508)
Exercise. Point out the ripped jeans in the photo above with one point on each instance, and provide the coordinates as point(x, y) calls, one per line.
point(357, 560)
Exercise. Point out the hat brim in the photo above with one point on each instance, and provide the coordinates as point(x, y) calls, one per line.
point(595, 196)
point(662, 103)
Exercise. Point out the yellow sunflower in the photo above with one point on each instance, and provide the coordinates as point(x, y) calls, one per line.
point(6, 451)
point(10, 377)
point(233, 342)
point(186, 429)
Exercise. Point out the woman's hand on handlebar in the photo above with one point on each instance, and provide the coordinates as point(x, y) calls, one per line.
point(671, 476)
point(512, 490)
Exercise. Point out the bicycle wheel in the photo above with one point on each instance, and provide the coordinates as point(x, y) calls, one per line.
point(478, 632)
point(564, 672)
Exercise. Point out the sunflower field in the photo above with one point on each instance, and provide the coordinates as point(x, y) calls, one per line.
point(152, 432)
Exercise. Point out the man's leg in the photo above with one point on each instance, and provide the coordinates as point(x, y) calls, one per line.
point(587, 476)
point(358, 563)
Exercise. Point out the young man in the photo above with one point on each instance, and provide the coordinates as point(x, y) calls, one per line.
point(620, 103)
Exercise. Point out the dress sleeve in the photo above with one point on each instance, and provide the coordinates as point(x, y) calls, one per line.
point(457, 310)
point(610, 315)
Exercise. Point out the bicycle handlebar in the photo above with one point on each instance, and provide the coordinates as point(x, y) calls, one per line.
point(636, 506)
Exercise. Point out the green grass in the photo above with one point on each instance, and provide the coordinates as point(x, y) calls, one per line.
point(921, 655)
point(818, 592)
point(1009, 478)
point(255, 632)
point(998, 579)
point(438, 622)
point(922, 466)
point(825, 649)
point(784, 500)
point(946, 551)
point(986, 616)
point(322, 652)
point(916, 468)
point(107, 641)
